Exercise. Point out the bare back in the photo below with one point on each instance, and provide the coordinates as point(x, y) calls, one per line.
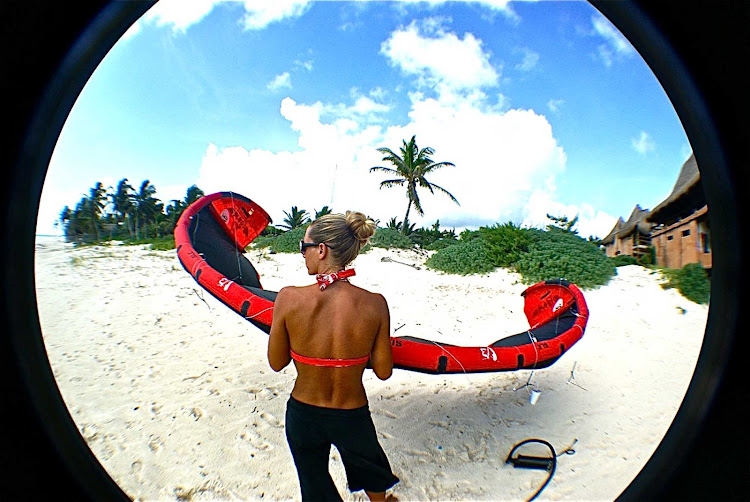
point(342, 322)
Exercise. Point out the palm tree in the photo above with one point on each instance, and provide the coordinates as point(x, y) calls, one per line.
point(65, 215)
point(177, 207)
point(562, 223)
point(394, 224)
point(325, 210)
point(193, 193)
point(122, 201)
point(97, 196)
point(145, 205)
point(78, 220)
point(411, 169)
point(295, 219)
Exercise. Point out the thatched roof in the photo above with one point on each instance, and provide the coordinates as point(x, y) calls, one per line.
point(610, 238)
point(636, 222)
point(687, 191)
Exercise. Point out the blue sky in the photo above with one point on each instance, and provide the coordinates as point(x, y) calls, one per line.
point(543, 107)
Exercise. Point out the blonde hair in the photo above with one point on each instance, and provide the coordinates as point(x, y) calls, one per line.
point(345, 234)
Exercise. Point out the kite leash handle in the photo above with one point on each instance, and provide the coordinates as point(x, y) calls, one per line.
point(548, 464)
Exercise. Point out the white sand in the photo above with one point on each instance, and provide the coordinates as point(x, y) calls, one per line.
point(173, 393)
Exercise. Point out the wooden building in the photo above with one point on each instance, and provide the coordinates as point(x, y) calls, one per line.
point(681, 233)
point(631, 237)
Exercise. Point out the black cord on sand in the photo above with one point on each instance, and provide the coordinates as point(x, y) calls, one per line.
point(548, 464)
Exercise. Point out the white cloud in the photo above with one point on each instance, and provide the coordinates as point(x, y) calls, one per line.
point(506, 161)
point(492, 6)
point(444, 60)
point(261, 13)
point(643, 144)
point(306, 64)
point(506, 164)
point(615, 44)
point(529, 59)
point(178, 14)
point(614, 38)
point(365, 109)
point(591, 221)
point(282, 81)
point(554, 105)
point(365, 105)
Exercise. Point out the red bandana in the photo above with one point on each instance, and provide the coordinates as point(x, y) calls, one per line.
point(324, 280)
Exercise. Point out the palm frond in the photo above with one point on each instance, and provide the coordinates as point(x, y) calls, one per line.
point(446, 192)
point(437, 165)
point(391, 183)
point(384, 169)
point(411, 168)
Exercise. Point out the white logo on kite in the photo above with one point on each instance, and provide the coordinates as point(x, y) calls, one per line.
point(225, 215)
point(488, 353)
point(558, 305)
point(224, 283)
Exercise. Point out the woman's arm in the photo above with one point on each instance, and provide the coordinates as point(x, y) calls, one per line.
point(278, 339)
point(381, 357)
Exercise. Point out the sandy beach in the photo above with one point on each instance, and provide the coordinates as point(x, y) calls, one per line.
point(173, 393)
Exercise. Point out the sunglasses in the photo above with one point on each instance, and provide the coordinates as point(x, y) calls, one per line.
point(304, 245)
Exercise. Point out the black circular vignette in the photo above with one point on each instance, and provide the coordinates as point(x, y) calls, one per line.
point(697, 51)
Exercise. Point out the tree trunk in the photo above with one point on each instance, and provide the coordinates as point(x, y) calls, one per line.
point(404, 227)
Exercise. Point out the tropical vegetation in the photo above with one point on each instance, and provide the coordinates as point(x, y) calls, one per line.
point(410, 169)
point(691, 281)
point(123, 213)
point(557, 251)
point(533, 253)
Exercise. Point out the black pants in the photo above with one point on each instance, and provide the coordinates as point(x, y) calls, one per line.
point(311, 430)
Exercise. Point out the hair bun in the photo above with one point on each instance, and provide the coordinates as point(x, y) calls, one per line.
point(362, 226)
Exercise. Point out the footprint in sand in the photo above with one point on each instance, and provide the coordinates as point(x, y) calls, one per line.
point(475, 454)
point(89, 433)
point(196, 413)
point(385, 413)
point(155, 443)
point(271, 420)
point(268, 393)
point(438, 423)
point(136, 468)
point(254, 440)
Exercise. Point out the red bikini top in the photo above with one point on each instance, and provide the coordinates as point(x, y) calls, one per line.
point(328, 363)
point(325, 280)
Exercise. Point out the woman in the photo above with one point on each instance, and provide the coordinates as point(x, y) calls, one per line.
point(332, 330)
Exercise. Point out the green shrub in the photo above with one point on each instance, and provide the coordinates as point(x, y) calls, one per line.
point(272, 231)
point(288, 242)
point(649, 258)
point(691, 281)
point(425, 237)
point(471, 257)
point(165, 244)
point(441, 244)
point(390, 238)
point(623, 260)
point(468, 235)
point(558, 254)
point(264, 241)
point(507, 243)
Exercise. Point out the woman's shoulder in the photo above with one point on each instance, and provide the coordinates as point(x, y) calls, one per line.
point(291, 293)
point(371, 296)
